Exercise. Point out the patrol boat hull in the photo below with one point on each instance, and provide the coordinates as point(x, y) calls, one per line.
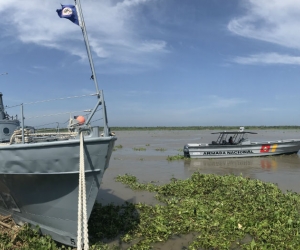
point(238, 145)
point(39, 183)
point(254, 149)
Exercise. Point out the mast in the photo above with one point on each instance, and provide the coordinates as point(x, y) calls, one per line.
point(2, 111)
point(86, 41)
point(94, 76)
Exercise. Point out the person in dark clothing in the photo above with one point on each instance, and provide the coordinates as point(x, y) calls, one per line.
point(230, 140)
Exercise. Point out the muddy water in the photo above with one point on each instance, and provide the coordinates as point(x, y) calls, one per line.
point(151, 165)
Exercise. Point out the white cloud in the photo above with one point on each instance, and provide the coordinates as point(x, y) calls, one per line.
point(273, 21)
point(129, 3)
point(209, 104)
point(113, 32)
point(268, 58)
point(219, 102)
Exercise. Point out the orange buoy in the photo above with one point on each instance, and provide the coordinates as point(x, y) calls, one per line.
point(80, 119)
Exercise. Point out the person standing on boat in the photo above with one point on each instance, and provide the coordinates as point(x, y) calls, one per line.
point(230, 140)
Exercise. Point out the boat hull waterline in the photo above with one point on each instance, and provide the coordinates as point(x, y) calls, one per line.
point(39, 183)
point(254, 149)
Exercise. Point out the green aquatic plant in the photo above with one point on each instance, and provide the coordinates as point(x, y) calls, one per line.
point(225, 212)
point(26, 238)
point(139, 149)
point(176, 157)
point(118, 146)
point(112, 220)
point(221, 212)
point(160, 149)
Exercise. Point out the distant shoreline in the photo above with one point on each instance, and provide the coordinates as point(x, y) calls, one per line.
point(203, 128)
point(221, 128)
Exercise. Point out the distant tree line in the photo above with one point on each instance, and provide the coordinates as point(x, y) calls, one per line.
point(204, 128)
point(222, 128)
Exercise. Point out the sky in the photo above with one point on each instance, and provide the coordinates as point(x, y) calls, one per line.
point(159, 62)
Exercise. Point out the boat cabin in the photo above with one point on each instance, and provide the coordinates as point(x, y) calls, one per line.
point(232, 138)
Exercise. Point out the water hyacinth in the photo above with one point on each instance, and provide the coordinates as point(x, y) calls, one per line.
point(118, 147)
point(219, 212)
point(177, 157)
point(226, 212)
point(139, 149)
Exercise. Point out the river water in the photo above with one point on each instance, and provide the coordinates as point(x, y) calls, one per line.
point(152, 165)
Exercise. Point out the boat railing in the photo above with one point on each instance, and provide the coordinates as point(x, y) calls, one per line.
point(43, 125)
point(277, 141)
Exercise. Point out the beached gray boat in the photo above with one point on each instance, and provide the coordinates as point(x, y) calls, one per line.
point(52, 179)
point(39, 179)
point(237, 144)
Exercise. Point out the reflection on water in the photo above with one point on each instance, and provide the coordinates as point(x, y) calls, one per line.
point(283, 170)
point(283, 161)
point(253, 162)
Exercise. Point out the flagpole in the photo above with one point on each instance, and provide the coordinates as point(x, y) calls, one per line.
point(86, 41)
point(94, 76)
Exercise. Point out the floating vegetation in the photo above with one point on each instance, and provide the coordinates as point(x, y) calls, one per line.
point(118, 146)
point(177, 157)
point(225, 212)
point(111, 220)
point(222, 212)
point(26, 238)
point(160, 149)
point(147, 145)
point(139, 149)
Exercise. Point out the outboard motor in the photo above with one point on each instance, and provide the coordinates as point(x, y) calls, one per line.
point(8, 124)
point(186, 151)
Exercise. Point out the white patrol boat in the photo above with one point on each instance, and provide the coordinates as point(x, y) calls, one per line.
point(236, 144)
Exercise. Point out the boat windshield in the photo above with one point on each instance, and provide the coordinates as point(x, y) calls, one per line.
point(231, 138)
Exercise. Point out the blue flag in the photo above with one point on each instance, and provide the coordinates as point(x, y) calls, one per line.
point(69, 12)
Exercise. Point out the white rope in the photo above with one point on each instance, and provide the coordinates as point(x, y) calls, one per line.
point(82, 213)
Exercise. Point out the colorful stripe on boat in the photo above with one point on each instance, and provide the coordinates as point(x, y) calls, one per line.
point(266, 148)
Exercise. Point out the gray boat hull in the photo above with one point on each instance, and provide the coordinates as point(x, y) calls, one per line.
point(250, 150)
point(39, 183)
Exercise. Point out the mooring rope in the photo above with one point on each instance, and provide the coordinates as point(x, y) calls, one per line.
point(82, 213)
